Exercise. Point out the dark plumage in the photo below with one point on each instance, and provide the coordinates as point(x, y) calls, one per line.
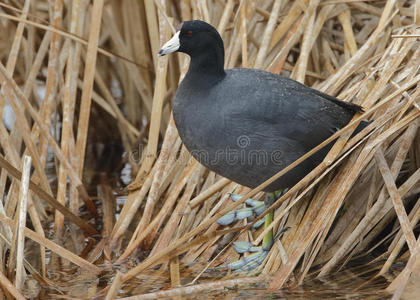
point(248, 124)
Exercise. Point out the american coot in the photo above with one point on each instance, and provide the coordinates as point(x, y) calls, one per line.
point(248, 124)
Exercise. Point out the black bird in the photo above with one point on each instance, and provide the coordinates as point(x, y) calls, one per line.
point(248, 124)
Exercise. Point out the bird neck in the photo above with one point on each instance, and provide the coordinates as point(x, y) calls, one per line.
point(207, 67)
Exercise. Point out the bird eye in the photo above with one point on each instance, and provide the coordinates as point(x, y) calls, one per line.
point(189, 33)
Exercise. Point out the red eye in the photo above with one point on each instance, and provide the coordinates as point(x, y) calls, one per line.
point(189, 33)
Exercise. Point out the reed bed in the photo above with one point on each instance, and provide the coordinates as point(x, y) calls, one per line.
point(89, 95)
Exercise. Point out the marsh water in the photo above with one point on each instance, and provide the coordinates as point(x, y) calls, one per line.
point(357, 282)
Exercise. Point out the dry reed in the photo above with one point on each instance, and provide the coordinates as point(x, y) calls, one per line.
point(58, 56)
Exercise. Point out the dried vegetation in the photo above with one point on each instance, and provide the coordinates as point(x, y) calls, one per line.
point(84, 84)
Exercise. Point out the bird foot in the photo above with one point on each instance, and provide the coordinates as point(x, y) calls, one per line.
point(256, 207)
point(258, 253)
point(250, 262)
point(257, 256)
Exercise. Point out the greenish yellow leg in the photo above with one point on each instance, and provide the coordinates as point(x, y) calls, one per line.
point(268, 239)
point(258, 254)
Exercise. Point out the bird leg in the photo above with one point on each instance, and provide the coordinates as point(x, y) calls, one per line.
point(259, 253)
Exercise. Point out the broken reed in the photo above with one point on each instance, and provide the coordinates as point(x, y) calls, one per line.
point(365, 52)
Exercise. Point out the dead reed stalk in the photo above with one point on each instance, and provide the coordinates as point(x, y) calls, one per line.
point(58, 56)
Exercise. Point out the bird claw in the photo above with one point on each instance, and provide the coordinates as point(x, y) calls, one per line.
point(259, 223)
point(256, 207)
point(242, 247)
point(250, 262)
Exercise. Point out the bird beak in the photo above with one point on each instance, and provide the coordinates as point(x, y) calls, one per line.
point(170, 46)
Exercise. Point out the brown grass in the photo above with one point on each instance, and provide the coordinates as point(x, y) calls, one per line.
point(104, 88)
